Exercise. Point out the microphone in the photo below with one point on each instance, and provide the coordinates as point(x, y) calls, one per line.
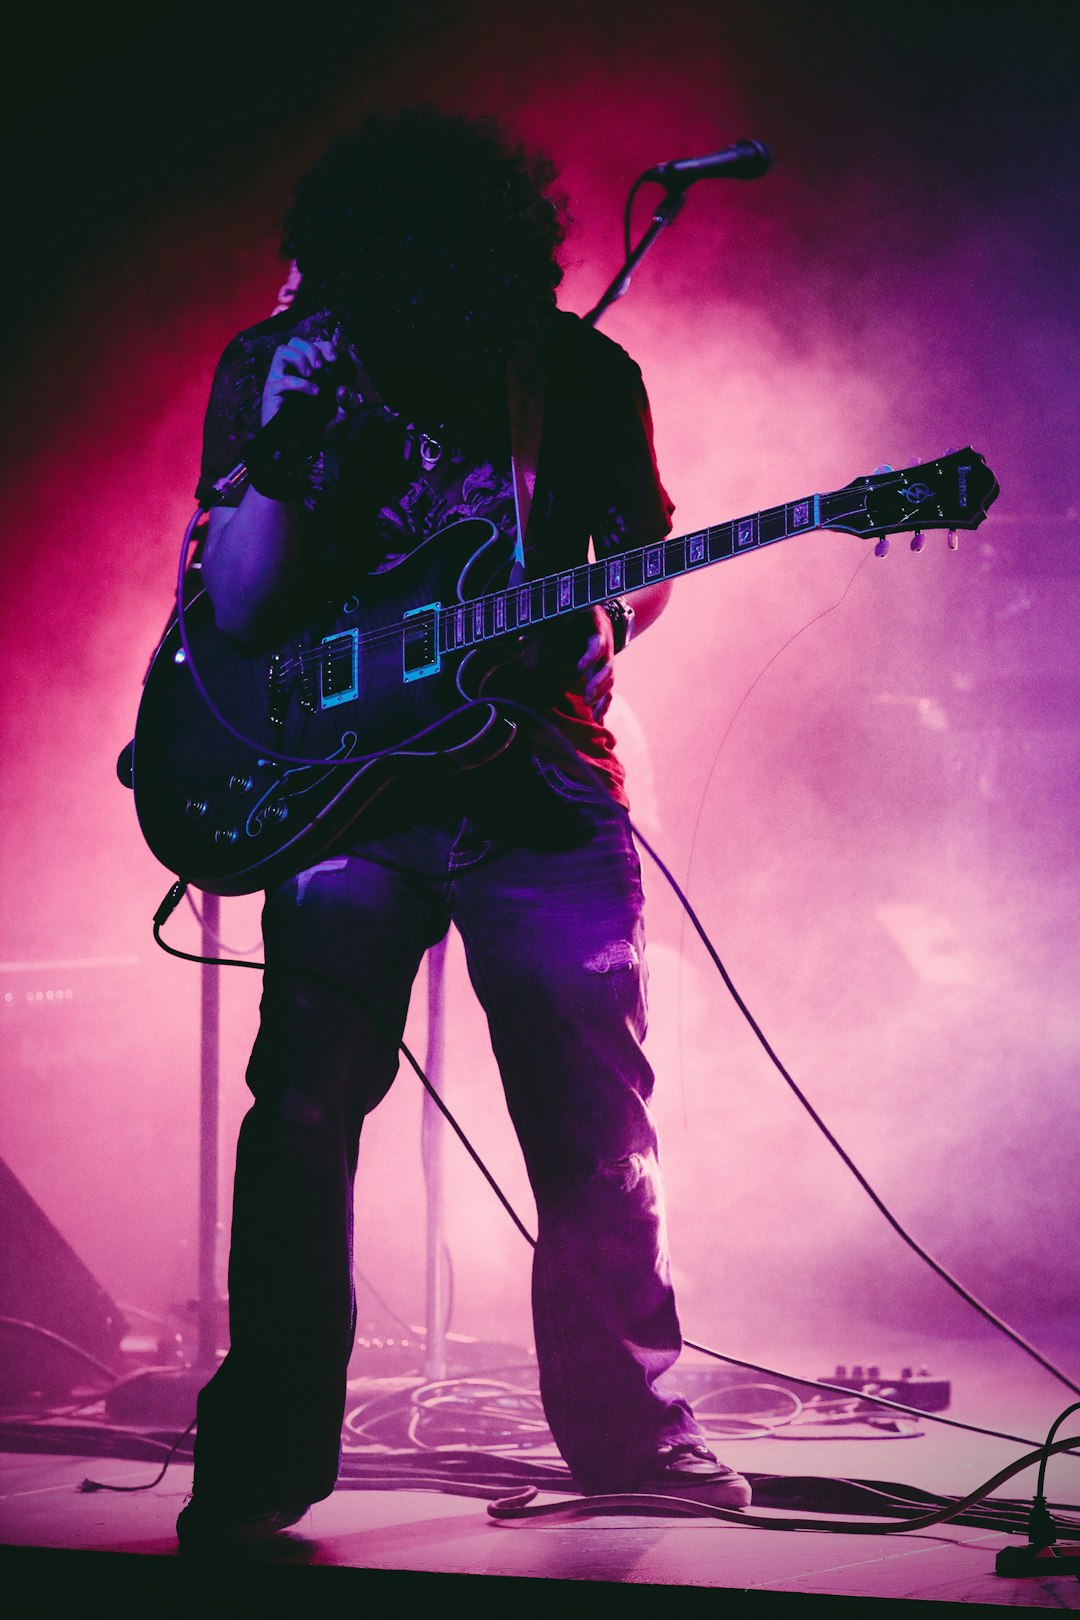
point(746, 160)
point(274, 460)
point(298, 424)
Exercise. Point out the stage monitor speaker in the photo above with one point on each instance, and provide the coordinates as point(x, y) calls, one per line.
point(44, 1284)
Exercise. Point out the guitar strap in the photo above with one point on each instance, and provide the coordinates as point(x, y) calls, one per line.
point(525, 386)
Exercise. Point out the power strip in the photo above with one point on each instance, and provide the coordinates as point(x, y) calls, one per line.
point(912, 1388)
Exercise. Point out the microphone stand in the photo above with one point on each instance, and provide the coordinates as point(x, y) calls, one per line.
point(665, 211)
point(209, 1320)
point(432, 1142)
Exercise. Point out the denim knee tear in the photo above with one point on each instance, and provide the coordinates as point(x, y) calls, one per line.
point(628, 1173)
point(620, 954)
point(296, 1109)
point(304, 878)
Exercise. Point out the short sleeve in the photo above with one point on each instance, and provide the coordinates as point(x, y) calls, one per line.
point(232, 417)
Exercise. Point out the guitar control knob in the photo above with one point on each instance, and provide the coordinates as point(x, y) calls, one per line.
point(241, 784)
point(196, 807)
point(276, 812)
point(882, 547)
point(952, 539)
point(226, 835)
point(918, 540)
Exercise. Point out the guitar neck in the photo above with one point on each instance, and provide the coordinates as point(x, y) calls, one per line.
point(951, 493)
point(536, 601)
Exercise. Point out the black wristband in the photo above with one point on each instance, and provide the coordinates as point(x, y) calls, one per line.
point(621, 615)
point(280, 477)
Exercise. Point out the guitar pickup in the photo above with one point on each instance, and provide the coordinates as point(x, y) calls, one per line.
point(339, 668)
point(420, 653)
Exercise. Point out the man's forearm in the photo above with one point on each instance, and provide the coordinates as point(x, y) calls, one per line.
point(250, 563)
point(648, 604)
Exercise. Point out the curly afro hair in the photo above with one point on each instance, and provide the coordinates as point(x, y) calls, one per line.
point(432, 240)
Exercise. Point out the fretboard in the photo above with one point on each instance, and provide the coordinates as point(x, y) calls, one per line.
point(535, 601)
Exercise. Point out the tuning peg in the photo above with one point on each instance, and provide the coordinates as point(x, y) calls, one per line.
point(953, 540)
point(918, 540)
point(882, 547)
point(884, 468)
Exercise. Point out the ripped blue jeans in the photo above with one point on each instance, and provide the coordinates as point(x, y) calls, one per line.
point(552, 929)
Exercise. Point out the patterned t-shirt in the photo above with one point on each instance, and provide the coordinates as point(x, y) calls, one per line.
point(388, 484)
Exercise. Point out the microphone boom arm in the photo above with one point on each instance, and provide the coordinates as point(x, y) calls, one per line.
point(665, 212)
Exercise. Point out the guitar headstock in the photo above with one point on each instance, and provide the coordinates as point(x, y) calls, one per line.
point(954, 492)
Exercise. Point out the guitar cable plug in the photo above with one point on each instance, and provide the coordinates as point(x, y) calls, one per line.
point(170, 903)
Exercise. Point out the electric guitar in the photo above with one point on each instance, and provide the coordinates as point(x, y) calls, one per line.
point(248, 765)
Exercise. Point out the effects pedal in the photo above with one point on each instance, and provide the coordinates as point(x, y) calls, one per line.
point(912, 1388)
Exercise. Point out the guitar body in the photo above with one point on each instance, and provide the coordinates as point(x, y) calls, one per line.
point(233, 816)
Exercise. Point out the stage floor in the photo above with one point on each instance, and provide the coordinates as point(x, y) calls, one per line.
point(401, 1531)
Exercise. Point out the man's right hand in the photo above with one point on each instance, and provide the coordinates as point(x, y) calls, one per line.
point(302, 366)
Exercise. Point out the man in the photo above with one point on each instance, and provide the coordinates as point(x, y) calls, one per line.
point(424, 327)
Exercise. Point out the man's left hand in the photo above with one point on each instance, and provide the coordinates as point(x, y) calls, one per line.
point(554, 652)
point(597, 664)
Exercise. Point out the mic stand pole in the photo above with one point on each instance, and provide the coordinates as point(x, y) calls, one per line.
point(209, 1065)
point(432, 1139)
point(665, 212)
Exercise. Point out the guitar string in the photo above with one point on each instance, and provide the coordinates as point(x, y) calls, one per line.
point(312, 657)
point(579, 573)
point(677, 544)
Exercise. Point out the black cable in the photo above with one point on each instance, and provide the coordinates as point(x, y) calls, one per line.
point(645, 1502)
point(205, 961)
point(90, 1485)
point(1041, 1528)
point(1054, 1427)
point(466, 1144)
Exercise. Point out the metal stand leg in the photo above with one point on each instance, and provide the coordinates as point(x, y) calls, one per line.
point(166, 1395)
point(209, 1071)
point(432, 1139)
